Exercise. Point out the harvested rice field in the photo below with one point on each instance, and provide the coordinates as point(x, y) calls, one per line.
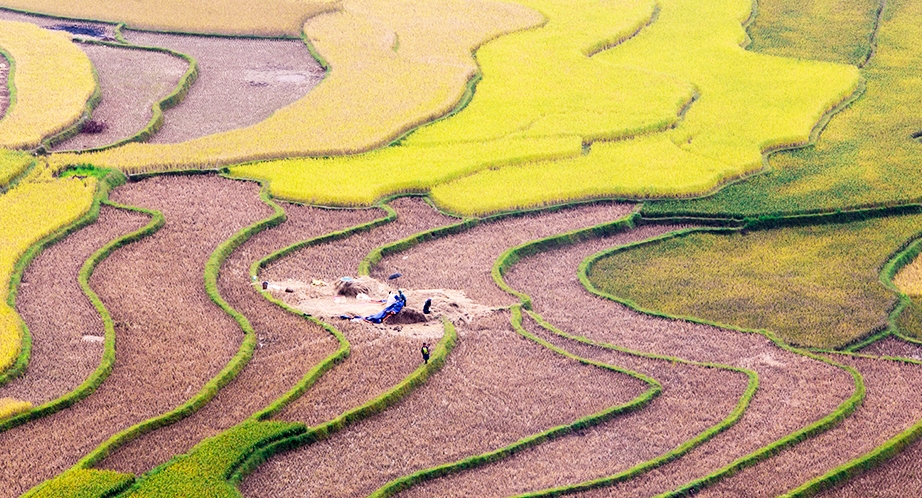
point(460, 248)
point(240, 81)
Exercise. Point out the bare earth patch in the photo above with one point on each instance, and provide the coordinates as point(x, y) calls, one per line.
point(170, 338)
point(494, 388)
point(892, 404)
point(130, 81)
point(4, 86)
point(241, 81)
point(67, 332)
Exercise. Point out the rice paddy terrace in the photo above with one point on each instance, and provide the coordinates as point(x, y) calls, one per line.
point(651, 247)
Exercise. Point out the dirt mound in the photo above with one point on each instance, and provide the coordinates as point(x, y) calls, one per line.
point(408, 316)
point(351, 288)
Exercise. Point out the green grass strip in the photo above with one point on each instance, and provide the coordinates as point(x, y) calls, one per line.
point(95, 379)
point(229, 372)
point(83, 483)
point(106, 183)
point(844, 410)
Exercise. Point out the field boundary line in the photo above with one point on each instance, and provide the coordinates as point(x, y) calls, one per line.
point(108, 182)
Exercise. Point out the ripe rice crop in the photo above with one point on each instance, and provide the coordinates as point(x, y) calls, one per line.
point(28, 213)
point(12, 164)
point(12, 406)
point(814, 286)
point(231, 17)
point(865, 156)
point(52, 82)
point(394, 66)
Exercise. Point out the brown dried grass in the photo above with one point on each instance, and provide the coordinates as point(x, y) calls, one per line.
point(130, 82)
point(288, 346)
point(894, 347)
point(241, 81)
point(793, 392)
point(495, 387)
point(60, 317)
point(171, 339)
point(892, 404)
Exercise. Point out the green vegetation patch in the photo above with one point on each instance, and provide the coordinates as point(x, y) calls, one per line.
point(83, 483)
point(814, 286)
point(867, 155)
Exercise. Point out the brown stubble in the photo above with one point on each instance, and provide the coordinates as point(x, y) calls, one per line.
point(288, 346)
point(170, 338)
point(67, 332)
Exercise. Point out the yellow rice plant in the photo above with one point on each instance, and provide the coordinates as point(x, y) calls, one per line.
point(12, 406)
point(12, 164)
point(748, 104)
point(52, 82)
point(395, 65)
point(236, 17)
point(28, 213)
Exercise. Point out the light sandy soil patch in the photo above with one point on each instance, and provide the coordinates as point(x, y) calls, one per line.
point(241, 81)
point(693, 399)
point(67, 332)
point(381, 356)
point(170, 338)
point(891, 346)
point(892, 405)
point(288, 346)
point(494, 388)
point(130, 82)
point(794, 391)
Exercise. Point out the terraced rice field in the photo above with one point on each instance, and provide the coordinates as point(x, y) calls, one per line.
point(648, 248)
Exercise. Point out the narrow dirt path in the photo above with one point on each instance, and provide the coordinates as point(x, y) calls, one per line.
point(130, 82)
point(288, 345)
point(893, 403)
point(67, 332)
point(170, 338)
point(495, 388)
point(793, 391)
point(379, 358)
point(241, 81)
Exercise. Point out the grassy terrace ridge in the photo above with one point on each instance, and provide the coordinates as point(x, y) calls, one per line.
point(52, 84)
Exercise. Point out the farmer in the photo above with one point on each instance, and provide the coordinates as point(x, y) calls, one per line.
point(425, 351)
point(392, 305)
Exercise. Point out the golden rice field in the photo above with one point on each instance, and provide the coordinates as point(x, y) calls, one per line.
point(648, 248)
point(52, 81)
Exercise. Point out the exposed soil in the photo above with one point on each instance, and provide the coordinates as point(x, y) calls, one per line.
point(495, 388)
point(171, 339)
point(893, 347)
point(892, 405)
point(288, 345)
point(67, 332)
point(130, 82)
point(241, 81)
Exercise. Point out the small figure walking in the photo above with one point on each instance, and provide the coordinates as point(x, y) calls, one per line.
point(425, 351)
